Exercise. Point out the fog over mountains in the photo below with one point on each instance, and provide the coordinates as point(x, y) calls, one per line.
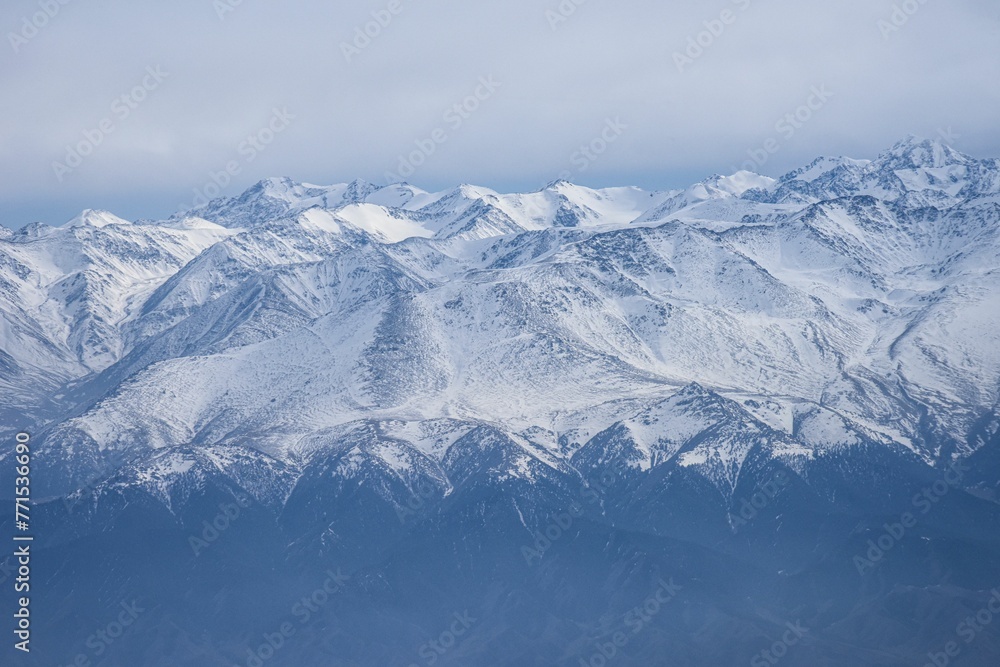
point(541, 410)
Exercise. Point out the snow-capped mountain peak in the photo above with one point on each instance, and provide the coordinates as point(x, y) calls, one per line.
point(864, 288)
point(915, 152)
point(96, 219)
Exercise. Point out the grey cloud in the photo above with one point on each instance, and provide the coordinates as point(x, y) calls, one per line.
point(561, 81)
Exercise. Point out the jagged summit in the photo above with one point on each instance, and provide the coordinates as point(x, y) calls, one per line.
point(930, 168)
point(915, 152)
point(96, 219)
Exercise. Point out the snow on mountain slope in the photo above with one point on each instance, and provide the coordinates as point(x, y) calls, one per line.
point(668, 428)
point(915, 171)
point(856, 288)
point(92, 218)
point(562, 204)
point(381, 222)
point(68, 291)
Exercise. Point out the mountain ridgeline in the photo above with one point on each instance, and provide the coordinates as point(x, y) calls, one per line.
point(748, 422)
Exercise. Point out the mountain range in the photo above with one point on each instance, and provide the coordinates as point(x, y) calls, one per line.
point(540, 411)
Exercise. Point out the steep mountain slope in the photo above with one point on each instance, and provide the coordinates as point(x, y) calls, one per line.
point(68, 293)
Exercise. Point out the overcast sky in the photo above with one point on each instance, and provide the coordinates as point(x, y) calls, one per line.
point(161, 96)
